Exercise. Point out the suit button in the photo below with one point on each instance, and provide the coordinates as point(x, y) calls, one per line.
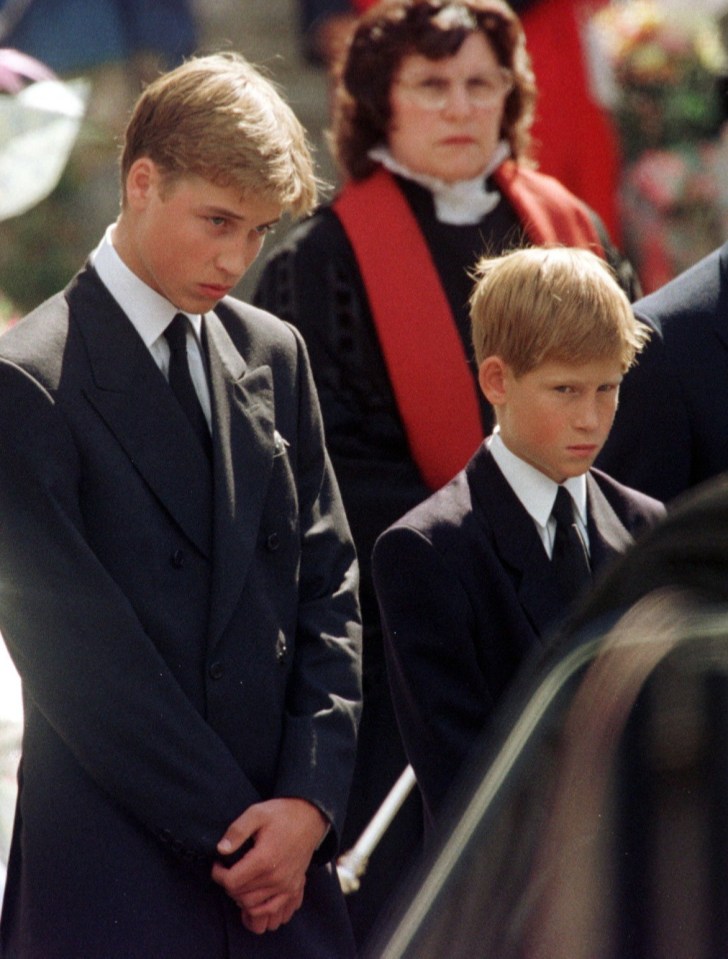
point(273, 542)
point(177, 559)
point(216, 670)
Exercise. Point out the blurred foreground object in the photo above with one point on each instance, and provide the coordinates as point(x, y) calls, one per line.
point(596, 826)
point(40, 117)
point(11, 731)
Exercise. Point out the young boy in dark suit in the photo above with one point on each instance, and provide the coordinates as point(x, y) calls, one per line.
point(473, 579)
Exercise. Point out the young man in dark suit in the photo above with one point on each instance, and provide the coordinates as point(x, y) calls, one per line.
point(473, 580)
point(671, 432)
point(177, 579)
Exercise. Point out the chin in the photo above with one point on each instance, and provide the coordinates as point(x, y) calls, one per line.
point(456, 176)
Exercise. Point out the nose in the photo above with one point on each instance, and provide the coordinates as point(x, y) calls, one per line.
point(458, 101)
point(588, 414)
point(236, 257)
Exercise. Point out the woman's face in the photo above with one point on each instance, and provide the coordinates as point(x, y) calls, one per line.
point(446, 114)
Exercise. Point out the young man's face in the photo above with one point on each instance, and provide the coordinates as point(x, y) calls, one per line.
point(556, 417)
point(193, 241)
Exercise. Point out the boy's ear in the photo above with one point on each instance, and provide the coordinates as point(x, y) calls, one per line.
point(143, 176)
point(492, 379)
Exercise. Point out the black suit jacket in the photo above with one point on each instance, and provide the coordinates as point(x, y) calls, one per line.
point(187, 638)
point(671, 429)
point(467, 592)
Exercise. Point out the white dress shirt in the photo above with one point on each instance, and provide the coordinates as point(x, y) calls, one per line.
point(537, 492)
point(150, 314)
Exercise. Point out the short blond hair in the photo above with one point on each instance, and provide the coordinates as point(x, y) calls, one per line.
point(217, 117)
point(557, 304)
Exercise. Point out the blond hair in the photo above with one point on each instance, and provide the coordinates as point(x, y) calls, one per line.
point(552, 304)
point(218, 118)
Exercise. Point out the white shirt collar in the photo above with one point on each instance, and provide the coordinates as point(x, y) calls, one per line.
point(149, 312)
point(533, 488)
point(463, 202)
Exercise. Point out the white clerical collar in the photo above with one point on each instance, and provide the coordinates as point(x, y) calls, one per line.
point(532, 487)
point(460, 203)
point(149, 312)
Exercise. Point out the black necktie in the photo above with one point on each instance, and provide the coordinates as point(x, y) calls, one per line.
point(181, 381)
point(569, 558)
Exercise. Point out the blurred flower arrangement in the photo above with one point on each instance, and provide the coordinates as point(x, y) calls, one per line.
point(661, 72)
point(659, 69)
point(673, 206)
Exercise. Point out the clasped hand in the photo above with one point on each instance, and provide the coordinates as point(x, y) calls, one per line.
point(267, 882)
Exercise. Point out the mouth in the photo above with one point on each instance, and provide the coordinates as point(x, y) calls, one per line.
point(459, 141)
point(214, 290)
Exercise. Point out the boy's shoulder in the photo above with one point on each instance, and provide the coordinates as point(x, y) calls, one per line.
point(478, 490)
point(635, 509)
point(450, 524)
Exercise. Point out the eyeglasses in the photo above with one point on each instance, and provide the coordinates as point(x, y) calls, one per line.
point(483, 91)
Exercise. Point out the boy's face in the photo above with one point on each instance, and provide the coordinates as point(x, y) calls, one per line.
point(556, 417)
point(194, 240)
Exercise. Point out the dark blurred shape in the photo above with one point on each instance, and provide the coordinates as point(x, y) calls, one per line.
point(71, 35)
point(596, 825)
point(323, 28)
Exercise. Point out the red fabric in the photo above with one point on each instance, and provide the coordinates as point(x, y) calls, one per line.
point(548, 212)
point(434, 388)
point(575, 141)
point(422, 349)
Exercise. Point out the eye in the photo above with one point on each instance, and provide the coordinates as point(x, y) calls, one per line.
point(218, 221)
point(608, 387)
point(264, 229)
point(435, 84)
point(482, 84)
point(564, 389)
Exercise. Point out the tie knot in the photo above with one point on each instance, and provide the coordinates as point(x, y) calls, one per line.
point(176, 332)
point(563, 509)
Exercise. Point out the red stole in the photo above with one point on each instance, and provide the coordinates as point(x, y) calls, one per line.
point(433, 385)
point(549, 213)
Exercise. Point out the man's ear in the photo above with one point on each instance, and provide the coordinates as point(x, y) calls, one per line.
point(141, 180)
point(492, 378)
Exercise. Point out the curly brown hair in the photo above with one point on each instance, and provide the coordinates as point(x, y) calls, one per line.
point(394, 29)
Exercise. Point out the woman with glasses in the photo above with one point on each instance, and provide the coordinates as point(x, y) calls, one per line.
point(432, 109)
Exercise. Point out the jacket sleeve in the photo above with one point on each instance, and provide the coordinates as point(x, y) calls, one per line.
point(440, 694)
point(324, 702)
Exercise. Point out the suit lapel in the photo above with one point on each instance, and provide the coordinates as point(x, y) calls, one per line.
point(130, 393)
point(243, 413)
point(516, 541)
point(608, 536)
